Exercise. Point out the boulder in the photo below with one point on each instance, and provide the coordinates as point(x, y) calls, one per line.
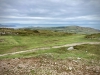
point(70, 48)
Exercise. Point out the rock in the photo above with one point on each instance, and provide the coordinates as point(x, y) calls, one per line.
point(75, 61)
point(70, 48)
point(21, 66)
point(70, 68)
point(79, 58)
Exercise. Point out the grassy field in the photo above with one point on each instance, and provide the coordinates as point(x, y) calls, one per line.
point(18, 43)
point(84, 51)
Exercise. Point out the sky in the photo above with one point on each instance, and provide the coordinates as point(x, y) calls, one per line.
point(48, 13)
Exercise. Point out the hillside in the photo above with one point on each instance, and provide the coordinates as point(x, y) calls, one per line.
point(71, 29)
point(68, 29)
point(82, 30)
point(45, 52)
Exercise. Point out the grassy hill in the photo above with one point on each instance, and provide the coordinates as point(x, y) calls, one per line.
point(18, 43)
point(67, 29)
point(81, 30)
point(71, 29)
point(12, 40)
point(83, 59)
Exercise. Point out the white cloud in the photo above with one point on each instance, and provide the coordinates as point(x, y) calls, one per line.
point(49, 11)
point(68, 2)
point(95, 3)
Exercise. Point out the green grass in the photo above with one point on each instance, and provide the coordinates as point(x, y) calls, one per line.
point(19, 43)
point(85, 51)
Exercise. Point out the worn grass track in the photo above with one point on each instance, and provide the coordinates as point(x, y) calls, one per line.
point(44, 48)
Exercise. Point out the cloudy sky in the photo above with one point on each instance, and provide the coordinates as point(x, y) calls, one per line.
point(48, 12)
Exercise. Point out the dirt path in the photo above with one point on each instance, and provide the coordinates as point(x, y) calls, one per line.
point(32, 50)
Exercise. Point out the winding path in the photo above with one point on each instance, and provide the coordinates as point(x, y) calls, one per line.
point(32, 50)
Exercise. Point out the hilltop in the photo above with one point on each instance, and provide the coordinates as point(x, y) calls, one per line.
point(69, 29)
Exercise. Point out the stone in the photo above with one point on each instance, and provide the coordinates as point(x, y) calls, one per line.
point(70, 68)
point(70, 48)
point(21, 66)
point(79, 58)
